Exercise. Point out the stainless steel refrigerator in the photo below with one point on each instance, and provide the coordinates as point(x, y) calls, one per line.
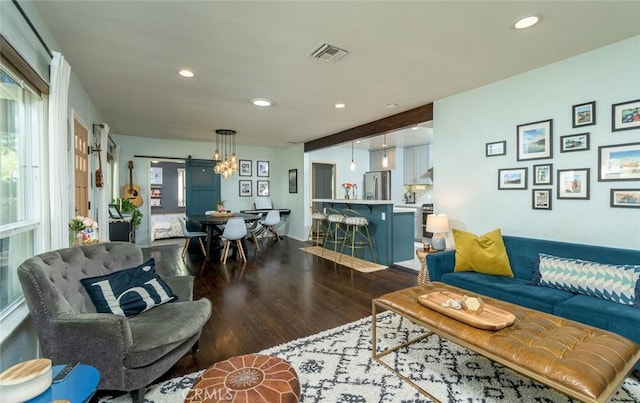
point(377, 185)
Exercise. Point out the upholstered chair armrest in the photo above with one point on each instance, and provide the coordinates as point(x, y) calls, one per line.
point(105, 339)
point(440, 263)
point(182, 286)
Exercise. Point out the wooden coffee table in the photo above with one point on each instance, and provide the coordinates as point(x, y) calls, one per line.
point(578, 360)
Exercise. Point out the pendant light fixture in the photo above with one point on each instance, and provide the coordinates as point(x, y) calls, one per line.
point(225, 154)
point(352, 166)
point(385, 161)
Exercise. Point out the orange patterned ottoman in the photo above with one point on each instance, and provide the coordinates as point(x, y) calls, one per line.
point(247, 378)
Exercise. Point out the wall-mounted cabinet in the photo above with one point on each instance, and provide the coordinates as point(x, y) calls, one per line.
point(417, 161)
point(375, 160)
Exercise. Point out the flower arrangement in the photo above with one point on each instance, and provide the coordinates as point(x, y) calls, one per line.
point(82, 230)
point(78, 223)
point(347, 186)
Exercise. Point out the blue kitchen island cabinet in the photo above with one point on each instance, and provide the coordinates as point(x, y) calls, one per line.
point(391, 233)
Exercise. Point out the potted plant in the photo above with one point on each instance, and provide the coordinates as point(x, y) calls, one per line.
point(126, 206)
point(220, 205)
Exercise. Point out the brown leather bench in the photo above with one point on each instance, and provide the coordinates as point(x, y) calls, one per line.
point(579, 360)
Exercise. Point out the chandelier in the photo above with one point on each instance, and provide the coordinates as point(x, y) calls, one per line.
point(225, 154)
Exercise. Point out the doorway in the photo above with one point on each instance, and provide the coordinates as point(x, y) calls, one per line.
point(323, 179)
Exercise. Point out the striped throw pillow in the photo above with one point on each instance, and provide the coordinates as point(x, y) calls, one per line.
point(617, 283)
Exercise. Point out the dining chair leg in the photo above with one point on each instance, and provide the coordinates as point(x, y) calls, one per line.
point(185, 247)
point(241, 250)
point(204, 250)
point(223, 258)
point(255, 242)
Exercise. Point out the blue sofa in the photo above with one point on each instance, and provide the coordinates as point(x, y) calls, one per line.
point(523, 256)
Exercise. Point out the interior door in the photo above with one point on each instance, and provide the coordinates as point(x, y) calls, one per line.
point(203, 186)
point(81, 169)
point(322, 181)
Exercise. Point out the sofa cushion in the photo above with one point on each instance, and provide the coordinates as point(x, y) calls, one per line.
point(483, 254)
point(160, 330)
point(510, 289)
point(617, 283)
point(617, 318)
point(128, 292)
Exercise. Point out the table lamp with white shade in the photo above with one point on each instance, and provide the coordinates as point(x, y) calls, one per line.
point(438, 224)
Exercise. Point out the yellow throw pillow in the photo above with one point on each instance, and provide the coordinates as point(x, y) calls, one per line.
point(483, 254)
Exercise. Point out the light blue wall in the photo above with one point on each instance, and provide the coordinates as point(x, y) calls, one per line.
point(466, 181)
point(280, 161)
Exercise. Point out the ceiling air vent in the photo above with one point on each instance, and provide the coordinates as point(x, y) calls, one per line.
point(328, 53)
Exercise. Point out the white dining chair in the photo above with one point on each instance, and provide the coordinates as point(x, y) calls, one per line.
point(253, 231)
point(188, 235)
point(235, 230)
point(271, 221)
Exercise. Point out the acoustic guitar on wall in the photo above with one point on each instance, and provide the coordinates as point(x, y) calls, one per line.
point(99, 182)
point(132, 191)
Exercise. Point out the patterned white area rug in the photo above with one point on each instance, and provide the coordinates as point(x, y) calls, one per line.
point(336, 366)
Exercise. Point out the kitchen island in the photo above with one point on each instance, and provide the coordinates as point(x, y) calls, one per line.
point(391, 232)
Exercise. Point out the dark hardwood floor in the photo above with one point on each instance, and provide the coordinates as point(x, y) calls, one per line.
point(279, 295)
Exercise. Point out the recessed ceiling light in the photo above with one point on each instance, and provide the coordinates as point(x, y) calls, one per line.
point(340, 106)
point(186, 73)
point(527, 22)
point(392, 106)
point(261, 102)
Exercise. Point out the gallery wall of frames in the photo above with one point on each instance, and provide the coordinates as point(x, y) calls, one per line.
point(245, 186)
point(619, 162)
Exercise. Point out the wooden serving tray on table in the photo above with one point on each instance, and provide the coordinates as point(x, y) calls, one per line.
point(221, 214)
point(490, 318)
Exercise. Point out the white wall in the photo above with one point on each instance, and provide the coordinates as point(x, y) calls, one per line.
point(280, 161)
point(466, 181)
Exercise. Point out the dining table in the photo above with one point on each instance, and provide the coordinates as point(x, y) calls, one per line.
point(213, 225)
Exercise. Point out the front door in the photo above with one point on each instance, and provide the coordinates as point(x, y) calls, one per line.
point(81, 169)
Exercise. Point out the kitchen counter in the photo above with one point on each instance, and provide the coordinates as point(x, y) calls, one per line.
point(391, 229)
point(353, 201)
point(408, 205)
point(400, 209)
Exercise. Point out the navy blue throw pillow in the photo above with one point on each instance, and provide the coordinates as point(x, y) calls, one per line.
point(128, 292)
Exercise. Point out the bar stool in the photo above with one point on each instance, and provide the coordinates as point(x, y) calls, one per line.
point(335, 229)
point(357, 234)
point(317, 229)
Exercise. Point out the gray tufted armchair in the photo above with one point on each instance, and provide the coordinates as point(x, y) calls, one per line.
point(130, 353)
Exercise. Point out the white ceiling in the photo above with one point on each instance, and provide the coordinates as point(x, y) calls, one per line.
point(127, 54)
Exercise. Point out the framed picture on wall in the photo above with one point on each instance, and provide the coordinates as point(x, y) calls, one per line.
point(263, 188)
point(543, 174)
point(244, 168)
point(573, 183)
point(625, 198)
point(263, 168)
point(535, 140)
point(541, 199)
point(495, 148)
point(155, 176)
point(625, 115)
point(512, 178)
point(619, 162)
point(293, 181)
point(244, 188)
point(574, 142)
point(584, 114)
